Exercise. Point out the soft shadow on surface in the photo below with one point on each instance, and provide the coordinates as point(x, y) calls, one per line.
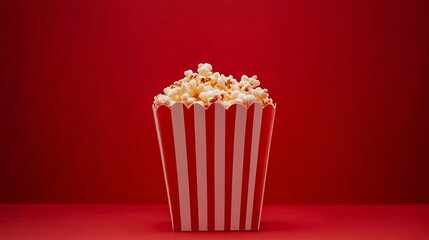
point(284, 226)
point(161, 226)
point(266, 226)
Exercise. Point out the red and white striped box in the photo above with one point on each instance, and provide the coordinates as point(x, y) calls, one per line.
point(215, 163)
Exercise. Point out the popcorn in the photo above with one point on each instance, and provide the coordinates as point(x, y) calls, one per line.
point(205, 87)
point(162, 100)
point(204, 69)
point(188, 73)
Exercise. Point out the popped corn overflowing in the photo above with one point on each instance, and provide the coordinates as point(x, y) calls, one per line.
point(205, 87)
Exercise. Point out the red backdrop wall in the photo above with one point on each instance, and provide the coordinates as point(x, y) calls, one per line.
point(350, 79)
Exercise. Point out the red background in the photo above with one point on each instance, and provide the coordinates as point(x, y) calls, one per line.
point(350, 79)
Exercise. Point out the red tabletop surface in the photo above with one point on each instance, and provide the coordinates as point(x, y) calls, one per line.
point(53, 221)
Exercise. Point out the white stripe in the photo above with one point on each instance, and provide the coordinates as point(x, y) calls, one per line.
point(256, 131)
point(163, 162)
point(266, 168)
point(237, 166)
point(219, 166)
point(201, 163)
point(182, 165)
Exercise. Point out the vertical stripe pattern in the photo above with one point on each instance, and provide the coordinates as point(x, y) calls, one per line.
point(201, 164)
point(163, 118)
point(229, 142)
point(256, 129)
point(246, 165)
point(158, 133)
point(181, 165)
point(210, 120)
point(215, 163)
point(219, 166)
point(237, 166)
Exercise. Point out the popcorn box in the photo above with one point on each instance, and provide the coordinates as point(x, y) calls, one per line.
point(215, 163)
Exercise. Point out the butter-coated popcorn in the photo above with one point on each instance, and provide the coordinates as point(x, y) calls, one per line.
point(205, 87)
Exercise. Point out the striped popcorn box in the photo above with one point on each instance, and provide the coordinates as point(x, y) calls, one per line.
point(215, 163)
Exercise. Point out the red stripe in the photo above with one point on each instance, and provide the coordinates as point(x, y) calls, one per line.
point(264, 143)
point(246, 166)
point(210, 116)
point(166, 132)
point(192, 166)
point(229, 155)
